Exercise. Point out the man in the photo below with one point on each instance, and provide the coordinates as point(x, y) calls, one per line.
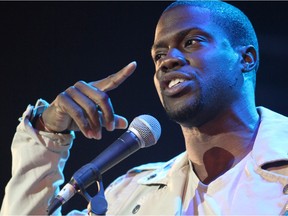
point(235, 163)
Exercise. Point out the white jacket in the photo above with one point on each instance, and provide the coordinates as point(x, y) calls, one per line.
point(170, 188)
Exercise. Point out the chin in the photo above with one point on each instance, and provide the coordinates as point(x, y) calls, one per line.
point(185, 116)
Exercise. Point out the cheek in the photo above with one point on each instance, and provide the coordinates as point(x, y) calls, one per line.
point(224, 70)
point(157, 86)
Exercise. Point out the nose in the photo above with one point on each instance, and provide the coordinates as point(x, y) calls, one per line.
point(174, 59)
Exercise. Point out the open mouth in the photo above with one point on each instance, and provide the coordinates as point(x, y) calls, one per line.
point(175, 82)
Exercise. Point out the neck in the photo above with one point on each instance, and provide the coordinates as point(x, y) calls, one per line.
point(219, 145)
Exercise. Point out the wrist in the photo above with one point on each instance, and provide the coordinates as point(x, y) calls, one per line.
point(39, 124)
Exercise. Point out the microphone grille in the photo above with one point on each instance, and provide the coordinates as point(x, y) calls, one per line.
point(148, 128)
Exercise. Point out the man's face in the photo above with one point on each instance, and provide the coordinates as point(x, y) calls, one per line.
point(197, 73)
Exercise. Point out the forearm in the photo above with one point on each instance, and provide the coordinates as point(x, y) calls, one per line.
point(37, 165)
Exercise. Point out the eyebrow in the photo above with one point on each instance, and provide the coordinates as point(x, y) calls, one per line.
point(179, 36)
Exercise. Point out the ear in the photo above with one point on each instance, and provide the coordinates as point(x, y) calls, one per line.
point(249, 58)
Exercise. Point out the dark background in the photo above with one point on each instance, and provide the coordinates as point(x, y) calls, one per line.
point(47, 46)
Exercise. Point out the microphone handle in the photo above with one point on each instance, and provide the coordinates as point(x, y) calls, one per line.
point(124, 146)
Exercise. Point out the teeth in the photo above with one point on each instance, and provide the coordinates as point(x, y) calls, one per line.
point(175, 82)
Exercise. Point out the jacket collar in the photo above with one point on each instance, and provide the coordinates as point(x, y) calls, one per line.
point(168, 169)
point(270, 145)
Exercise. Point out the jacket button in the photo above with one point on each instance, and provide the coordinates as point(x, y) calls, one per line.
point(151, 177)
point(136, 209)
point(285, 189)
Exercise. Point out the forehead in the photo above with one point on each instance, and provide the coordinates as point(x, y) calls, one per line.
point(181, 18)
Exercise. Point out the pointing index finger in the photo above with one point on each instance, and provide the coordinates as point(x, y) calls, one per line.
point(114, 80)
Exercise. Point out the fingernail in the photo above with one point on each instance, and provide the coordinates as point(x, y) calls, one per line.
point(98, 135)
point(90, 134)
point(134, 62)
point(112, 126)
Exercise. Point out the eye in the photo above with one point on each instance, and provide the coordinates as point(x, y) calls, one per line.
point(193, 42)
point(190, 42)
point(158, 56)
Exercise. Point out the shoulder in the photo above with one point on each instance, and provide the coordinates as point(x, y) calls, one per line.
point(134, 174)
point(270, 150)
point(126, 184)
point(140, 174)
point(271, 116)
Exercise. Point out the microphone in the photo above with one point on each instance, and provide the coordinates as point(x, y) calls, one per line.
point(144, 131)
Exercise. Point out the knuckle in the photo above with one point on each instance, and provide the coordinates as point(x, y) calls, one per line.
point(61, 96)
point(110, 118)
point(92, 109)
point(111, 76)
point(79, 84)
point(78, 113)
point(113, 80)
point(70, 90)
point(103, 97)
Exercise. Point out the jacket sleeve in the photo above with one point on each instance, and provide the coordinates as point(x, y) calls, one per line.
point(38, 160)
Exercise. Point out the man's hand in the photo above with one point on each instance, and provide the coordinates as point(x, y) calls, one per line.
point(77, 108)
